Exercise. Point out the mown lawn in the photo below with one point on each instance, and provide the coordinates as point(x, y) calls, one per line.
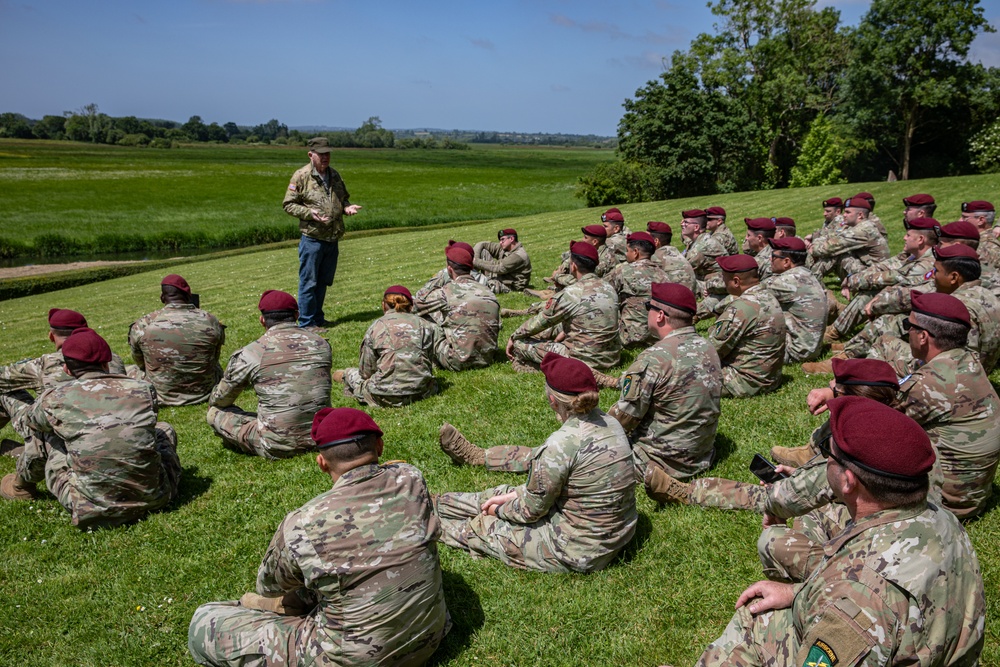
point(125, 596)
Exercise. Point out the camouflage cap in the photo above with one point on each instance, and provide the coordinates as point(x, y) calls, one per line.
point(960, 230)
point(336, 426)
point(567, 375)
point(62, 318)
point(319, 145)
point(879, 439)
point(870, 372)
point(174, 280)
point(86, 345)
point(273, 300)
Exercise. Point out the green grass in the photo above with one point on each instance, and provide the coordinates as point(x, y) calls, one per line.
point(73, 598)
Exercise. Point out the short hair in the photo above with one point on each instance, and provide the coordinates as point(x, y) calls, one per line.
point(967, 267)
point(926, 208)
point(663, 237)
point(766, 233)
point(989, 216)
point(272, 317)
point(702, 220)
point(798, 257)
point(585, 263)
point(578, 404)
point(972, 243)
point(460, 269)
point(884, 395)
point(78, 368)
point(62, 333)
point(618, 223)
point(351, 451)
point(398, 302)
point(890, 491)
point(929, 234)
point(947, 335)
point(645, 247)
point(174, 293)
point(676, 317)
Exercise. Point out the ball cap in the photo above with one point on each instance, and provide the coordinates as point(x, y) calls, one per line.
point(336, 426)
point(319, 145)
point(507, 232)
point(977, 206)
point(760, 224)
point(954, 250)
point(595, 230)
point(693, 213)
point(870, 372)
point(715, 212)
point(459, 255)
point(858, 202)
point(583, 250)
point(674, 295)
point(86, 345)
point(879, 439)
point(963, 229)
point(793, 243)
point(656, 227)
point(835, 202)
point(177, 281)
point(918, 200)
point(737, 263)
point(567, 375)
point(397, 289)
point(612, 215)
point(941, 306)
point(62, 318)
point(276, 300)
point(639, 236)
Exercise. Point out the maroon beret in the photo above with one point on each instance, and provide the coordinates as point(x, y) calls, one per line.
point(595, 230)
point(925, 224)
point(879, 439)
point(272, 300)
point(175, 280)
point(760, 224)
point(654, 227)
point(940, 306)
point(715, 212)
point(458, 255)
point(639, 236)
point(867, 195)
point(793, 243)
point(61, 318)
point(86, 345)
point(567, 375)
point(583, 250)
point(954, 250)
point(918, 200)
point(858, 202)
point(962, 229)
point(612, 215)
point(737, 263)
point(978, 206)
point(397, 289)
point(507, 232)
point(675, 295)
point(784, 222)
point(693, 213)
point(336, 426)
point(871, 372)
point(836, 202)
point(462, 244)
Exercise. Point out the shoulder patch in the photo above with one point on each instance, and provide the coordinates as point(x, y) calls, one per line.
point(291, 186)
point(630, 386)
point(929, 275)
point(820, 655)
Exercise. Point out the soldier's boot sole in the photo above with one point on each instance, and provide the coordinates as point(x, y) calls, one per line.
point(663, 488)
point(605, 381)
point(541, 293)
point(795, 457)
point(13, 488)
point(509, 312)
point(456, 446)
point(522, 367)
point(338, 376)
point(10, 447)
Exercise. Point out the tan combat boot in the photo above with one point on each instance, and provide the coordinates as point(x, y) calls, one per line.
point(522, 367)
point(605, 381)
point(663, 488)
point(510, 312)
point(795, 457)
point(837, 347)
point(541, 293)
point(338, 376)
point(455, 445)
point(825, 366)
point(831, 335)
point(12, 488)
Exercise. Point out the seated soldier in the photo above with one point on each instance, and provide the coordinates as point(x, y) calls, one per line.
point(701, 248)
point(576, 510)
point(669, 258)
point(350, 578)
point(504, 266)
point(177, 347)
point(784, 228)
point(801, 296)
point(715, 222)
point(289, 370)
point(96, 442)
point(759, 232)
point(442, 277)
point(595, 235)
point(631, 281)
point(617, 232)
point(900, 559)
point(749, 335)
point(850, 247)
point(982, 214)
point(833, 221)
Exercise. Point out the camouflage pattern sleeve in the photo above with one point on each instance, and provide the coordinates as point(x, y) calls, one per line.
point(508, 263)
point(800, 493)
point(279, 571)
point(614, 277)
point(368, 356)
point(439, 279)
point(431, 302)
point(27, 374)
point(555, 311)
point(848, 239)
point(135, 335)
point(892, 300)
point(243, 365)
point(731, 326)
point(36, 418)
point(294, 201)
point(547, 477)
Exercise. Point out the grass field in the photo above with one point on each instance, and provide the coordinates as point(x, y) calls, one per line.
point(125, 596)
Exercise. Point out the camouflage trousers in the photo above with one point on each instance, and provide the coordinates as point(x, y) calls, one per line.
point(244, 432)
point(494, 283)
point(464, 526)
point(727, 494)
point(896, 352)
point(224, 633)
point(358, 388)
point(448, 358)
point(791, 554)
point(853, 314)
point(14, 407)
point(859, 346)
point(821, 268)
point(735, 385)
point(532, 350)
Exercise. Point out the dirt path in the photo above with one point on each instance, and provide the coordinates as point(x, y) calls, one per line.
point(38, 269)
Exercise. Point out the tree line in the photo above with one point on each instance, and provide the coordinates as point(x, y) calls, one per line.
point(784, 95)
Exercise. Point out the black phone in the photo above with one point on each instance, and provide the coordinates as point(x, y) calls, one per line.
point(195, 300)
point(764, 470)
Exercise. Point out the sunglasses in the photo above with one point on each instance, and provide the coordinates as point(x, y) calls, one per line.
point(908, 325)
point(827, 451)
point(650, 306)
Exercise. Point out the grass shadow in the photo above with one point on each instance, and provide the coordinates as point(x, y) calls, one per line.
point(363, 316)
point(467, 616)
point(643, 529)
point(192, 485)
point(724, 447)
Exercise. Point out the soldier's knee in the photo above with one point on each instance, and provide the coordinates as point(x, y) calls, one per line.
point(211, 414)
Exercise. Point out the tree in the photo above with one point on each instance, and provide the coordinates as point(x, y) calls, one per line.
point(820, 159)
point(92, 122)
point(50, 127)
point(195, 129)
point(371, 134)
point(14, 126)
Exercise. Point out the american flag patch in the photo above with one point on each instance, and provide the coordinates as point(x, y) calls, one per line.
point(929, 275)
point(291, 186)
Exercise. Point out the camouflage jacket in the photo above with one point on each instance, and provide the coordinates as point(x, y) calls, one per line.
point(366, 548)
point(289, 369)
point(725, 237)
point(803, 301)
point(632, 283)
point(676, 267)
point(749, 336)
point(44, 372)
point(861, 242)
point(579, 498)
point(763, 259)
point(902, 269)
point(438, 280)
point(702, 253)
point(469, 326)
point(670, 403)
point(306, 192)
point(989, 249)
point(953, 400)
point(606, 261)
point(618, 245)
point(108, 425)
point(511, 267)
point(178, 347)
point(397, 355)
point(588, 313)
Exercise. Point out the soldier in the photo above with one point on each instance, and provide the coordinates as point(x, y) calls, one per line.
point(802, 299)
point(318, 197)
point(669, 258)
point(396, 362)
point(749, 335)
point(504, 265)
point(968, 234)
point(617, 232)
point(715, 221)
point(466, 316)
point(900, 559)
point(576, 510)
point(632, 282)
point(853, 246)
point(759, 232)
point(440, 278)
point(783, 227)
point(350, 578)
point(833, 220)
point(595, 235)
point(580, 321)
point(702, 248)
point(177, 347)
point(982, 214)
point(874, 219)
point(97, 443)
point(289, 370)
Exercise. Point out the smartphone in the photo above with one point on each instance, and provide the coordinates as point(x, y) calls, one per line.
point(764, 470)
point(195, 300)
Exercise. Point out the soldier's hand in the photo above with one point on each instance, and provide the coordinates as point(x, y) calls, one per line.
point(491, 504)
point(767, 595)
point(769, 520)
point(868, 309)
point(846, 293)
point(319, 217)
point(510, 349)
point(352, 209)
point(785, 470)
point(817, 398)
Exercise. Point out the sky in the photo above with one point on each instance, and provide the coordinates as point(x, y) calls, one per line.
point(506, 65)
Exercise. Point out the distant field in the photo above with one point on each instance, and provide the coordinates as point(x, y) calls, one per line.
point(118, 198)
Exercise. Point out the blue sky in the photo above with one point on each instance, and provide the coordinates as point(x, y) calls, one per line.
point(519, 65)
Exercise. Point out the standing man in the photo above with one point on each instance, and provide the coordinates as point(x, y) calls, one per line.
point(318, 197)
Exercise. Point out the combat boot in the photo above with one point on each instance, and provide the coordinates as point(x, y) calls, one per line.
point(837, 347)
point(831, 335)
point(12, 488)
point(795, 457)
point(663, 488)
point(605, 381)
point(455, 445)
point(522, 367)
point(510, 312)
point(541, 293)
point(825, 366)
point(338, 376)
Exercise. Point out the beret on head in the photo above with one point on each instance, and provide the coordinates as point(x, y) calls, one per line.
point(612, 215)
point(272, 300)
point(918, 200)
point(507, 232)
point(397, 289)
point(978, 206)
point(879, 439)
point(655, 227)
point(567, 375)
point(955, 250)
point(858, 202)
point(793, 243)
point(836, 202)
point(639, 236)
point(871, 372)
point(693, 213)
point(335, 426)
point(715, 212)
point(459, 255)
point(737, 263)
point(941, 306)
point(462, 244)
point(963, 229)
point(595, 230)
point(62, 318)
point(86, 345)
point(760, 224)
point(674, 295)
point(177, 281)
point(925, 224)
point(868, 196)
point(583, 250)
point(784, 222)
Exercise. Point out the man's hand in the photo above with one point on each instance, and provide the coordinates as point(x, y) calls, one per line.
point(491, 505)
point(510, 349)
point(817, 398)
point(288, 604)
point(319, 217)
point(868, 309)
point(846, 293)
point(352, 209)
point(769, 520)
point(766, 596)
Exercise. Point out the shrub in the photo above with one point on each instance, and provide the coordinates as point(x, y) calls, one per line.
point(613, 183)
point(160, 142)
point(985, 148)
point(54, 245)
point(134, 140)
point(820, 159)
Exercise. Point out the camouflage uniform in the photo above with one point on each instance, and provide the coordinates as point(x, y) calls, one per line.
point(606, 261)
point(763, 259)
point(676, 267)
point(587, 312)
point(702, 253)
point(632, 283)
point(289, 369)
point(904, 270)
point(177, 349)
point(749, 336)
point(725, 237)
point(822, 267)
point(396, 363)
point(438, 280)
point(574, 513)
point(618, 245)
point(899, 587)
point(469, 323)
point(803, 300)
point(854, 248)
point(670, 404)
point(503, 270)
point(989, 249)
point(100, 449)
point(365, 552)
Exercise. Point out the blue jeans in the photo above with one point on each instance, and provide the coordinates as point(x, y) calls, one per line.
point(317, 266)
